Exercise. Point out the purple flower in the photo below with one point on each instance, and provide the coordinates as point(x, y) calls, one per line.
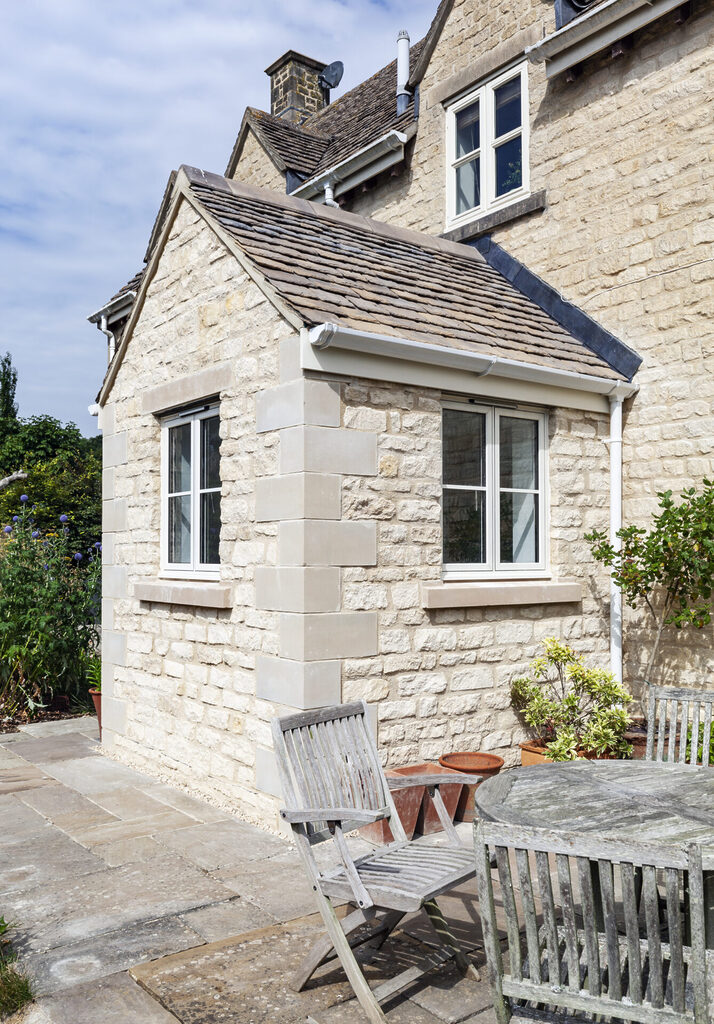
point(46, 565)
point(77, 556)
point(16, 519)
point(98, 545)
point(24, 498)
point(8, 529)
point(64, 519)
point(35, 534)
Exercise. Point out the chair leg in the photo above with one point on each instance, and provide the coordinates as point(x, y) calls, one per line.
point(442, 929)
point(323, 951)
point(352, 969)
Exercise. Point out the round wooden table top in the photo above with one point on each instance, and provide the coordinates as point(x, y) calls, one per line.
point(640, 800)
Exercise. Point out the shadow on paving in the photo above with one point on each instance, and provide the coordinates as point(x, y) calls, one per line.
point(245, 979)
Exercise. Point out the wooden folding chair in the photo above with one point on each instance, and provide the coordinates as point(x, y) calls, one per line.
point(563, 957)
point(333, 782)
point(679, 721)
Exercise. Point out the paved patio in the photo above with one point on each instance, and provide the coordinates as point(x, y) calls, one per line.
point(134, 902)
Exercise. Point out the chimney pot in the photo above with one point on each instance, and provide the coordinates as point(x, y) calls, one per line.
point(295, 92)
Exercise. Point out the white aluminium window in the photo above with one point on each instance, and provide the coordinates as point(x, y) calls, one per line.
point(191, 492)
point(494, 498)
point(487, 147)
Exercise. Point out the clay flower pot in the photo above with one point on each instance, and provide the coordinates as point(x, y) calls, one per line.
point(96, 696)
point(533, 753)
point(415, 809)
point(471, 762)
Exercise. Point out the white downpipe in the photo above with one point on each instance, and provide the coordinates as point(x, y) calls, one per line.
point(615, 525)
point(330, 195)
point(109, 335)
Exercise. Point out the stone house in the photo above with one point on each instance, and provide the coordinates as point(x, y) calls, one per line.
point(368, 393)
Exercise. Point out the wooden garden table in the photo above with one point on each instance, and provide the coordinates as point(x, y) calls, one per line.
point(639, 800)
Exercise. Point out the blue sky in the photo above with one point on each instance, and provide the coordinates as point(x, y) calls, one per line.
point(99, 101)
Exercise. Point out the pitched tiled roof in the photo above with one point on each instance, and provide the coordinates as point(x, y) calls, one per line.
point(357, 118)
point(327, 265)
point(131, 286)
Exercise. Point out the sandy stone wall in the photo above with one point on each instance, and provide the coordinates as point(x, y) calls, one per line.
point(625, 157)
point(441, 677)
point(178, 681)
point(255, 167)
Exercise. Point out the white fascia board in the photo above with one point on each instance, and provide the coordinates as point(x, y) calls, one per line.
point(594, 31)
point(114, 309)
point(333, 349)
point(365, 163)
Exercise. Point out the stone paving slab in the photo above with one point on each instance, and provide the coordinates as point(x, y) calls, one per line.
point(94, 775)
point(48, 749)
point(278, 885)
point(114, 1000)
point(181, 801)
point(112, 831)
point(65, 808)
point(43, 859)
point(22, 776)
point(18, 822)
point(129, 851)
point(86, 726)
point(88, 960)
point(58, 913)
point(223, 844)
point(223, 920)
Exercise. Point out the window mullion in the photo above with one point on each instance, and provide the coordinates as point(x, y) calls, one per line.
point(195, 492)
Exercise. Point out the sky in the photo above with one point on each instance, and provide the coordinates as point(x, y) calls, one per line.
point(100, 100)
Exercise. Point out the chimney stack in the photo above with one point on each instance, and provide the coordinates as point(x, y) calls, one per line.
point(295, 92)
point(403, 93)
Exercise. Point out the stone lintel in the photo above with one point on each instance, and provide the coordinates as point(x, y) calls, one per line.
point(189, 389)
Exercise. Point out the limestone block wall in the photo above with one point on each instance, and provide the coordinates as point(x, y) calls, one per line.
point(179, 688)
point(255, 167)
point(441, 677)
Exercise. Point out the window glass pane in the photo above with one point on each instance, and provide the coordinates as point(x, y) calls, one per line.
point(518, 452)
point(210, 452)
point(180, 458)
point(180, 529)
point(519, 528)
point(464, 526)
point(509, 173)
point(464, 448)
point(468, 185)
point(507, 104)
point(467, 130)
point(210, 527)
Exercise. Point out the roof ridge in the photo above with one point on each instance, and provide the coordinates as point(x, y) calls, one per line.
point(258, 114)
point(196, 175)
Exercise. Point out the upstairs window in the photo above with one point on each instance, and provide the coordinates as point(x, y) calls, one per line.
point(494, 491)
point(191, 492)
point(487, 146)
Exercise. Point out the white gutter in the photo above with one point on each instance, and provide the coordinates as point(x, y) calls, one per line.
point(365, 163)
point(329, 335)
point(116, 308)
point(594, 31)
point(616, 398)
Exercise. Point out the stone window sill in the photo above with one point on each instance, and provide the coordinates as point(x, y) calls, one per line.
point(193, 594)
point(500, 593)
point(485, 224)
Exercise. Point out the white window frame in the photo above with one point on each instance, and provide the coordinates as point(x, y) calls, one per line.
point(195, 570)
point(493, 568)
point(489, 201)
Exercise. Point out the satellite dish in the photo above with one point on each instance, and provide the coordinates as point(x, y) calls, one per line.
point(331, 77)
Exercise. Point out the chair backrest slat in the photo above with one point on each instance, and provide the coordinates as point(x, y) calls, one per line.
point(586, 886)
point(328, 758)
point(679, 724)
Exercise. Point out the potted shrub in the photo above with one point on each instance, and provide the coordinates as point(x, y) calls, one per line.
point(94, 678)
point(574, 711)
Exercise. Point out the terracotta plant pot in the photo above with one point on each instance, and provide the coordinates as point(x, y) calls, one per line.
point(472, 762)
point(97, 701)
point(428, 821)
point(415, 809)
point(533, 753)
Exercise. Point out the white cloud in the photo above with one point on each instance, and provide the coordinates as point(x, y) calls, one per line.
point(100, 101)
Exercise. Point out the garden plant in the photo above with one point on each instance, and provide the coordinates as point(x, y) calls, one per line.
point(15, 988)
point(49, 613)
point(572, 709)
point(668, 569)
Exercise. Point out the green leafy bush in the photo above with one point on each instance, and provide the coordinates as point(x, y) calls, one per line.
point(572, 709)
point(668, 569)
point(49, 613)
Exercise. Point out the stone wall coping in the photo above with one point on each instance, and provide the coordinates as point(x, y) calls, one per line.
point(196, 593)
point(492, 593)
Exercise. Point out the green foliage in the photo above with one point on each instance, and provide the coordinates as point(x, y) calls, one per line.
point(49, 613)
point(700, 747)
point(8, 387)
point(94, 672)
point(64, 473)
point(669, 569)
point(571, 708)
point(15, 988)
